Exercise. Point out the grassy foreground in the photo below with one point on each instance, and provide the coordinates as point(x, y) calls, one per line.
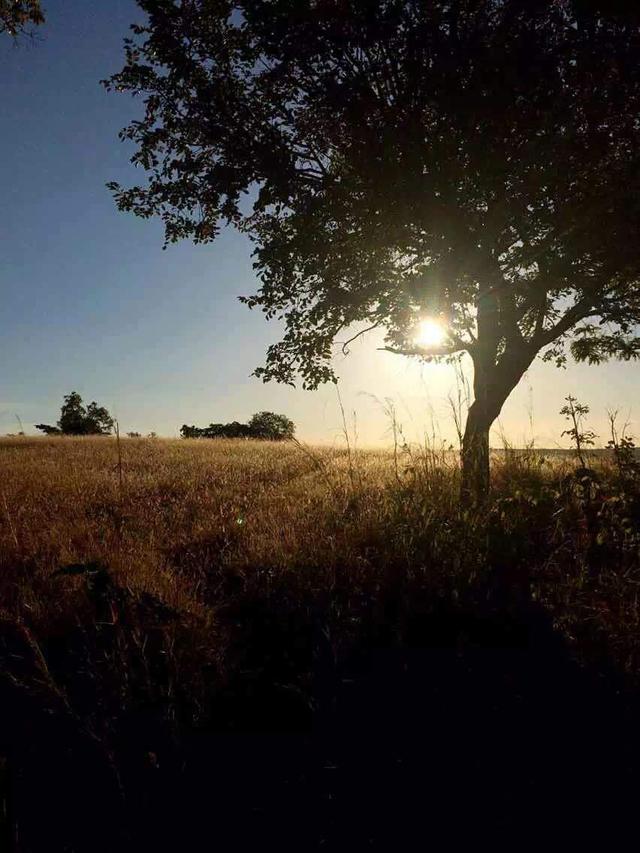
point(277, 641)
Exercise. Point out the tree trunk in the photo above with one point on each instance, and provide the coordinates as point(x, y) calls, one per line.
point(492, 383)
point(475, 455)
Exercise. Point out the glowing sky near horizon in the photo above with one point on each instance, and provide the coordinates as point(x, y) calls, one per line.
point(91, 302)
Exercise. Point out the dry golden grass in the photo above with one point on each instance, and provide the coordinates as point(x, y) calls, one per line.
point(170, 509)
point(178, 519)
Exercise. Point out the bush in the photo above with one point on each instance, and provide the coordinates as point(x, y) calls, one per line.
point(263, 425)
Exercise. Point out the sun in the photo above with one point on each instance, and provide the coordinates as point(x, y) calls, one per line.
point(430, 333)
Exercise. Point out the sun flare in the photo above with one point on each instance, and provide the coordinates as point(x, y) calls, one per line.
point(430, 333)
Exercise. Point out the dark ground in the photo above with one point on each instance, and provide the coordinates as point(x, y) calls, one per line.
point(476, 728)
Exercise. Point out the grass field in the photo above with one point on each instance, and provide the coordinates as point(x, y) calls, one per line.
point(158, 596)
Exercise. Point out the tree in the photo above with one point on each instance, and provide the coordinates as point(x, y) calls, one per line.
point(76, 419)
point(73, 415)
point(16, 15)
point(98, 420)
point(476, 162)
point(268, 425)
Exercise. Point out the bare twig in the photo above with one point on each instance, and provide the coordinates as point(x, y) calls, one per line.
point(345, 345)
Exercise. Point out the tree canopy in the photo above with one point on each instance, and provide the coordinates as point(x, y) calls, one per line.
point(271, 426)
point(474, 161)
point(16, 15)
point(78, 419)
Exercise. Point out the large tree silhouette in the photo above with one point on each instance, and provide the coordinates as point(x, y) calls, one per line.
point(473, 160)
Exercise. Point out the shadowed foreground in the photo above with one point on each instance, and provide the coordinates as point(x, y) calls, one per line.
point(395, 681)
point(476, 729)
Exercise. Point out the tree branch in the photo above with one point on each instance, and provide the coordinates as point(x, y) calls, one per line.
point(579, 311)
point(355, 337)
point(428, 352)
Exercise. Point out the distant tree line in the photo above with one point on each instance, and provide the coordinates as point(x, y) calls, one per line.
point(78, 419)
point(233, 430)
point(263, 425)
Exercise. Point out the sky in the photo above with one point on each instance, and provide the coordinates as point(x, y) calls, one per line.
point(89, 301)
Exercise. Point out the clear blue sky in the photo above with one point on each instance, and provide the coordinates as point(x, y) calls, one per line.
point(89, 301)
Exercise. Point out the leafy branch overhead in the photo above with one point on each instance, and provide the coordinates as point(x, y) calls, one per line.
point(16, 15)
point(397, 157)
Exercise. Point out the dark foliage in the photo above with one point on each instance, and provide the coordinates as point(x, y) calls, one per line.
point(16, 15)
point(47, 429)
point(270, 426)
point(232, 430)
point(263, 425)
point(78, 419)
